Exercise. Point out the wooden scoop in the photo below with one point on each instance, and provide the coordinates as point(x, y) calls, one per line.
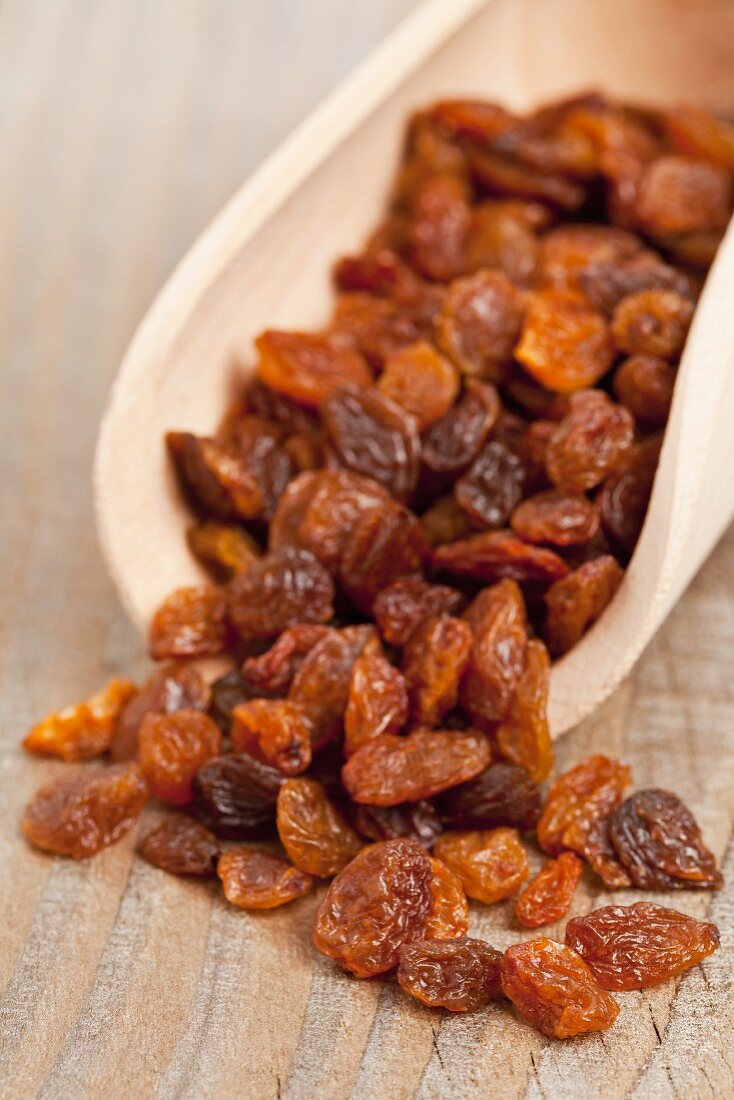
point(265, 262)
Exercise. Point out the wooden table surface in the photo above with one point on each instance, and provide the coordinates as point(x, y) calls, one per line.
point(124, 124)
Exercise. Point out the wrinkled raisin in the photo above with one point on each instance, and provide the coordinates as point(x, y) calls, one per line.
point(434, 660)
point(496, 660)
point(461, 975)
point(503, 794)
point(577, 601)
point(274, 731)
point(311, 829)
point(492, 555)
point(422, 381)
point(320, 688)
point(565, 343)
point(491, 864)
point(417, 820)
point(272, 672)
point(255, 879)
point(548, 897)
point(480, 323)
point(168, 689)
point(181, 847)
point(448, 916)
point(387, 544)
point(191, 622)
point(306, 367)
point(235, 796)
point(378, 700)
point(454, 441)
point(644, 385)
point(403, 605)
point(224, 549)
point(556, 517)
point(590, 441)
point(172, 747)
point(591, 789)
point(85, 730)
point(286, 587)
point(652, 322)
point(493, 486)
point(523, 735)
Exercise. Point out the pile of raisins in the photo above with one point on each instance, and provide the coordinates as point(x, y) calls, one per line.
point(403, 518)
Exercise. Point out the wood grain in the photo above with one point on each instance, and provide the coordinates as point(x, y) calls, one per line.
point(123, 126)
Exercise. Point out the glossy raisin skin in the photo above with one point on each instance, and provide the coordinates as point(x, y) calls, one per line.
point(422, 381)
point(659, 843)
point(566, 344)
point(523, 735)
point(172, 748)
point(180, 846)
point(417, 820)
point(168, 689)
point(548, 896)
point(285, 588)
point(320, 688)
point(491, 864)
point(222, 548)
point(553, 989)
point(307, 368)
point(272, 672)
point(83, 731)
point(191, 622)
point(493, 486)
point(255, 879)
point(375, 905)
point(314, 834)
point(454, 441)
point(589, 442)
point(434, 661)
point(641, 945)
point(503, 794)
point(81, 814)
point(399, 608)
point(461, 975)
point(556, 517)
point(494, 555)
point(227, 691)
point(497, 620)
point(589, 790)
point(235, 796)
point(448, 915)
point(274, 731)
point(378, 700)
point(575, 602)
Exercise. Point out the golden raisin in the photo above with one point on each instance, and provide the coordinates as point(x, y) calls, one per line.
point(255, 879)
point(85, 730)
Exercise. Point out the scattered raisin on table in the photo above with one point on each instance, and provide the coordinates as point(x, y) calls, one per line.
point(461, 975)
point(191, 622)
point(274, 731)
point(448, 916)
point(181, 847)
point(169, 688)
point(314, 834)
point(589, 790)
point(172, 747)
point(235, 796)
point(253, 878)
point(548, 897)
point(85, 730)
point(503, 794)
point(490, 864)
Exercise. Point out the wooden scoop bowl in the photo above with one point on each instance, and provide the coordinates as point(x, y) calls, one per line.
point(265, 261)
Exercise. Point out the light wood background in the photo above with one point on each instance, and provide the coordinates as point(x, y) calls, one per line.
point(124, 124)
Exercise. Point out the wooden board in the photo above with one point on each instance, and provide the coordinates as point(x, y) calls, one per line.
point(123, 126)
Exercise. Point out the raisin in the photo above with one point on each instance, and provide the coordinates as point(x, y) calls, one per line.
point(256, 879)
point(500, 238)
point(403, 605)
point(387, 544)
point(626, 494)
point(567, 251)
point(378, 327)
point(454, 441)
point(278, 409)
point(287, 587)
point(493, 486)
point(652, 322)
point(172, 747)
point(496, 660)
point(492, 555)
point(375, 437)
point(606, 283)
point(320, 688)
point(589, 443)
point(81, 814)
point(578, 600)
point(503, 794)
point(417, 820)
point(274, 731)
point(554, 991)
point(491, 864)
point(191, 622)
point(548, 897)
point(696, 132)
point(214, 477)
point(181, 847)
point(659, 844)
point(565, 343)
point(434, 660)
point(591, 789)
point(448, 916)
point(378, 700)
point(311, 829)
point(589, 837)
point(496, 175)
point(644, 385)
point(338, 500)
point(222, 548)
point(556, 517)
point(306, 367)
point(379, 902)
point(637, 946)
point(462, 975)
point(226, 693)
point(258, 444)
point(272, 672)
point(438, 226)
point(85, 730)
point(422, 381)
point(380, 272)
point(235, 796)
point(168, 689)
point(390, 769)
point(683, 195)
point(480, 323)
point(446, 521)
point(523, 736)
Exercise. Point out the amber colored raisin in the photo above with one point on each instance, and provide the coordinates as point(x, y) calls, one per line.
point(446, 521)
point(652, 322)
point(454, 441)
point(658, 842)
point(168, 689)
point(375, 905)
point(399, 608)
point(589, 442)
point(523, 736)
point(308, 367)
point(235, 796)
point(565, 343)
point(480, 323)
point(548, 896)
point(181, 847)
point(577, 601)
point(255, 879)
point(500, 238)
point(589, 838)
point(214, 477)
point(556, 517)
point(438, 226)
point(626, 494)
point(694, 131)
point(390, 769)
point(644, 385)
point(379, 327)
point(292, 507)
point(491, 864)
point(338, 501)
point(503, 794)
point(417, 820)
point(378, 700)
point(224, 549)
point(311, 829)
point(554, 991)
point(82, 731)
point(422, 381)
point(172, 747)
point(462, 975)
point(274, 731)
point(378, 271)
point(434, 660)
point(387, 544)
point(320, 688)
point(567, 251)
point(683, 195)
point(496, 660)
point(448, 916)
point(493, 485)
point(605, 283)
point(272, 672)
point(227, 692)
point(287, 587)
point(591, 789)
point(259, 445)
point(79, 815)
point(637, 946)
point(191, 622)
point(498, 175)
point(493, 555)
point(375, 437)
